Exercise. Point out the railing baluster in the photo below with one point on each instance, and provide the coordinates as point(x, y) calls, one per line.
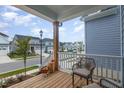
point(65, 65)
point(59, 60)
point(106, 67)
point(117, 69)
point(72, 59)
point(66, 61)
point(95, 71)
point(111, 61)
point(63, 61)
point(97, 66)
point(102, 66)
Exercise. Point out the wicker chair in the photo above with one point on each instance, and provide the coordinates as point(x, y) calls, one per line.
point(84, 68)
point(104, 83)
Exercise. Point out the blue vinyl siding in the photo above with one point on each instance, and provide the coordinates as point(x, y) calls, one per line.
point(122, 8)
point(103, 35)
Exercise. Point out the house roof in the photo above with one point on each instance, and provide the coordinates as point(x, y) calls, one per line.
point(47, 39)
point(4, 34)
point(23, 36)
point(61, 12)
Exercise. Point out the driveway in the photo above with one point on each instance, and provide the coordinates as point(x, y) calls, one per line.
point(5, 59)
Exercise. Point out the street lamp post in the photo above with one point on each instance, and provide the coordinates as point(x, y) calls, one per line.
point(41, 33)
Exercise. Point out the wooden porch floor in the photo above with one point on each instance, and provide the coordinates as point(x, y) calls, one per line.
point(58, 79)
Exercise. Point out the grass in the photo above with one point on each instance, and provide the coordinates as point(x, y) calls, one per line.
point(13, 55)
point(18, 71)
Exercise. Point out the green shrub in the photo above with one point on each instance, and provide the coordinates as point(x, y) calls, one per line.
point(12, 54)
point(15, 55)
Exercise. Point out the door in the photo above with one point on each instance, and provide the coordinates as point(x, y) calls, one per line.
point(32, 50)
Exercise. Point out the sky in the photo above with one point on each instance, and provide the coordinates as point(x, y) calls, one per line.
point(15, 21)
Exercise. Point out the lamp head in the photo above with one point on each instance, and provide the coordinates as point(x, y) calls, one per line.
point(41, 32)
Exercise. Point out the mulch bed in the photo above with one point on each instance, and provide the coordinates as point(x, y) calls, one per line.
point(15, 80)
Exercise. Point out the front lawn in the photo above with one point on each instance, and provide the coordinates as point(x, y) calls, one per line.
point(13, 55)
point(16, 72)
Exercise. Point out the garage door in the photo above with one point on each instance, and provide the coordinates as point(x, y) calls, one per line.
point(3, 51)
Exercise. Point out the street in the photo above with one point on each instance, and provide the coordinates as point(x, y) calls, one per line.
point(5, 67)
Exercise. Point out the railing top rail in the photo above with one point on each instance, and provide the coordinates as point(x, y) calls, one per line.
point(68, 53)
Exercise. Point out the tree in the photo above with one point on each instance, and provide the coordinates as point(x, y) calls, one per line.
point(23, 49)
point(63, 49)
point(80, 46)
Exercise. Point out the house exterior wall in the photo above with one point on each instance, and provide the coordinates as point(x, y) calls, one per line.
point(122, 28)
point(34, 42)
point(102, 35)
point(47, 45)
point(4, 45)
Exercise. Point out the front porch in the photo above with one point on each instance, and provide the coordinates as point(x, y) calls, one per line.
point(106, 65)
point(57, 79)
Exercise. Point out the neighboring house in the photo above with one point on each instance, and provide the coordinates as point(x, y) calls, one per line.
point(47, 45)
point(76, 47)
point(68, 46)
point(79, 47)
point(4, 44)
point(34, 44)
point(103, 32)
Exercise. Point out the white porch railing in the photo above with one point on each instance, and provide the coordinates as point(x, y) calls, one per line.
point(106, 65)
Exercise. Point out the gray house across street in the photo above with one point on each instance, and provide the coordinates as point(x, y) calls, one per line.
point(34, 44)
point(47, 44)
point(4, 44)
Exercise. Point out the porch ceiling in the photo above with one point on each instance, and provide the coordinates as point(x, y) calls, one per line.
point(61, 12)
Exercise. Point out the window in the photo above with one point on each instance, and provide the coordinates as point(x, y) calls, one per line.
point(4, 48)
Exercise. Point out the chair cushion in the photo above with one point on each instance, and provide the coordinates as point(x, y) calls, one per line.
point(82, 72)
point(93, 85)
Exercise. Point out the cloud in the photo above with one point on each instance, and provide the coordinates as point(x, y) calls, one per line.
point(79, 27)
point(12, 8)
point(26, 20)
point(62, 29)
point(18, 19)
point(34, 23)
point(45, 30)
point(9, 16)
point(36, 31)
point(75, 23)
point(3, 25)
point(62, 32)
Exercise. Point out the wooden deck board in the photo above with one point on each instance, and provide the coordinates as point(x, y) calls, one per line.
point(58, 79)
point(49, 80)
